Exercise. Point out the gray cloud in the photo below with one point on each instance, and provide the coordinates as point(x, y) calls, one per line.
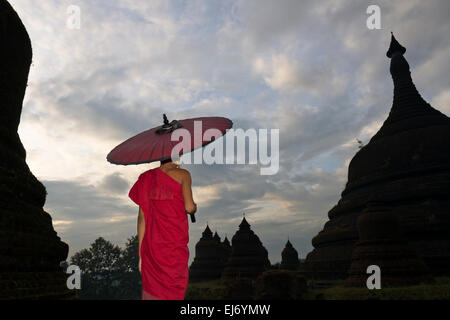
point(115, 183)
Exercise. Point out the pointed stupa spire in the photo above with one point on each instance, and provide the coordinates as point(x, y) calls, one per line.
point(216, 236)
point(244, 224)
point(226, 241)
point(408, 106)
point(394, 47)
point(289, 257)
point(207, 233)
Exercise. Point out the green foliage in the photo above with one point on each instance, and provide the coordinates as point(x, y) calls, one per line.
point(220, 290)
point(207, 290)
point(130, 281)
point(109, 272)
point(275, 266)
point(280, 285)
point(229, 289)
point(238, 288)
point(129, 259)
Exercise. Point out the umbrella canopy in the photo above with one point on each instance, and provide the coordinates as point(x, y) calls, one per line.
point(156, 144)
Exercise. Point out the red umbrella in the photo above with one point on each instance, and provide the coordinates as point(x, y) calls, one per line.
point(156, 144)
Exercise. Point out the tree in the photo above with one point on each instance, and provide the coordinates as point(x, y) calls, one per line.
point(130, 259)
point(100, 267)
point(130, 280)
point(109, 272)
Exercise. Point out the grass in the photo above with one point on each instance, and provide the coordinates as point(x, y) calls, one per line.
point(440, 290)
point(209, 290)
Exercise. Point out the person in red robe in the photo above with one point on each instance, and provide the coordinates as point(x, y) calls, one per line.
point(164, 197)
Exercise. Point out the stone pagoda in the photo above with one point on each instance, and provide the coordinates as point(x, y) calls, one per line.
point(208, 263)
point(248, 256)
point(289, 257)
point(30, 250)
point(381, 244)
point(406, 167)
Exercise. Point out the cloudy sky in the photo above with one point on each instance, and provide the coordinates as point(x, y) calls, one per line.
point(309, 68)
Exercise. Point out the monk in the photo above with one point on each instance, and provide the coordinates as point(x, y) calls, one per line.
point(164, 197)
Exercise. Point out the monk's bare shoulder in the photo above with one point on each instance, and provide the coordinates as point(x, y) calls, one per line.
point(183, 174)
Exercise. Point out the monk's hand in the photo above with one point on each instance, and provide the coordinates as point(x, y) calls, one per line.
point(194, 209)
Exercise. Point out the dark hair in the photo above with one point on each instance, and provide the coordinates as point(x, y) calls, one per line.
point(166, 161)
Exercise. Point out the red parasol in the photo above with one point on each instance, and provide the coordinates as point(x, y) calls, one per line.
point(156, 144)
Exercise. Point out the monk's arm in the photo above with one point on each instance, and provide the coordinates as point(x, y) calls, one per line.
point(189, 204)
point(140, 228)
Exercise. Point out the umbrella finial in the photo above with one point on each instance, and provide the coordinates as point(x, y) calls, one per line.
point(166, 121)
point(168, 127)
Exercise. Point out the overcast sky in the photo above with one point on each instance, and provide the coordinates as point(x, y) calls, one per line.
point(309, 68)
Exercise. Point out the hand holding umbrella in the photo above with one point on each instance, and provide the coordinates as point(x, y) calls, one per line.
point(192, 214)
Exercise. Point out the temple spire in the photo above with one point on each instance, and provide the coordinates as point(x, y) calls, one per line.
point(244, 224)
point(394, 47)
point(408, 106)
point(207, 233)
point(216, 237)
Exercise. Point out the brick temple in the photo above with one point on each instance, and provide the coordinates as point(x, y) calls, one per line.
point(30, 250)
point(405, 171)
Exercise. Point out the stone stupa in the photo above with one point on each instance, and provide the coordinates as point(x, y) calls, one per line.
point(248, 256)
point(30, 250)
point(289, 257)
point(381, 244)
point(208, 263)
point(406, 165)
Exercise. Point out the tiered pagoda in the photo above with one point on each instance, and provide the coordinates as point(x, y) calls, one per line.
point(248, 257)
point(208, 263)
point(406, 168)
point(30, 250)
point(289, 257)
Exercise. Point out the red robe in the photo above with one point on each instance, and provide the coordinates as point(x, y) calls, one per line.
point(164, 252)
